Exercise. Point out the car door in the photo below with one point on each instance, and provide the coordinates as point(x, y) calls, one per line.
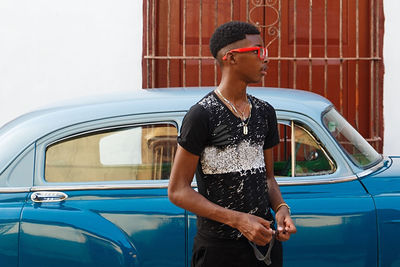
point(15, 183)
point(100, 196)
point(334, 215)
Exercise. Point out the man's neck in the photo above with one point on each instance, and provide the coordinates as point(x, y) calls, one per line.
point(233, 90)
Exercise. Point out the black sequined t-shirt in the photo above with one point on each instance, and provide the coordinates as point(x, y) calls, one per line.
point(231, 170)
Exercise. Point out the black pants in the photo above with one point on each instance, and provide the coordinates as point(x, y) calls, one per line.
point(231, 253)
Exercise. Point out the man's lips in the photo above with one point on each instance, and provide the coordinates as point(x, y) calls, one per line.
point(264, 70)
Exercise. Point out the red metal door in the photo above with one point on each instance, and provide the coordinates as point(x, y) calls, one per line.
point(330, 47)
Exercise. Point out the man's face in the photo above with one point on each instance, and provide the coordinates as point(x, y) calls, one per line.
point(248, 65)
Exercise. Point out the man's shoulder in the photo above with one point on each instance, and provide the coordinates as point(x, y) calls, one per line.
point(260, 103)
point(208, 102)
point(202, 109)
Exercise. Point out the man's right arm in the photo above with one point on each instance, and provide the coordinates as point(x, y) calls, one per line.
point(181, 193)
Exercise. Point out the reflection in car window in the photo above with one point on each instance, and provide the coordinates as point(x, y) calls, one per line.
point(355, 146)
point(143, 152)
point(310, 157)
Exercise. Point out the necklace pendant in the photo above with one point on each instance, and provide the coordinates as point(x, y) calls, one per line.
point(245, 130)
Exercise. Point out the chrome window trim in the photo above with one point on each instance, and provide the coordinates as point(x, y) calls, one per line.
point(281, 182)
point(46, 145)
point(77, 187)
point(15, 189)
point(374, 168)
point(135, 184)
point(292, 149)
point(288, 181)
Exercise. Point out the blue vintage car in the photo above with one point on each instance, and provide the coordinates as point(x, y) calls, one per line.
point(85, 184)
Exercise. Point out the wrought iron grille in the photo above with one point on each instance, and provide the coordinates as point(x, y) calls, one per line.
point(331, 47)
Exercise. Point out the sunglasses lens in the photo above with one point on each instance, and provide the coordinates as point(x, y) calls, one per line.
point(265, 52)
point(262, 52)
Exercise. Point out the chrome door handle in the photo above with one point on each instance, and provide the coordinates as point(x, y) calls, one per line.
point(48, 196)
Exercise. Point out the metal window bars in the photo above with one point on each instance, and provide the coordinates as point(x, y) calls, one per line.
point(219, 10)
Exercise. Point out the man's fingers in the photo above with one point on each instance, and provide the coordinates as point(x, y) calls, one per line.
point(257, 229)
point(290, 227)
point(263, 239)
point(265, 223)
point(283, 236)
point(285, 228)
point(263, 232)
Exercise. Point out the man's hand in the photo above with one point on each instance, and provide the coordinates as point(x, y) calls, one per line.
point(285, 224)
point(254, 228)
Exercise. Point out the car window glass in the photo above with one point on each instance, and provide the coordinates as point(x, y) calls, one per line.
point(354, 145)
point(143, 152)
point(310, 158)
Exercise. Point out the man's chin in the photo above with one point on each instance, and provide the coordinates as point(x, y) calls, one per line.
point(257, 81)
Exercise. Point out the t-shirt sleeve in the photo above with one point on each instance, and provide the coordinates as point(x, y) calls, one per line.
point(272, 136)
point(194, 131)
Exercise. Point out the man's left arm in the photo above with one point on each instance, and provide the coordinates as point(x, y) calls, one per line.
point(285, 225)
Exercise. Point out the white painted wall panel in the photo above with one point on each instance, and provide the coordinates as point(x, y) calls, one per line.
point(391, 84)
point(52, 50)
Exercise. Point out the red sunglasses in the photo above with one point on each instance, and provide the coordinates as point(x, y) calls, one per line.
point(262, 51)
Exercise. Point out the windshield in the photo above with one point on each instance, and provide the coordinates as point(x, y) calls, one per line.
point(355, 146)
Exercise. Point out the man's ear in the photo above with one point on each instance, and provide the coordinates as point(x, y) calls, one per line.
point(230, 58)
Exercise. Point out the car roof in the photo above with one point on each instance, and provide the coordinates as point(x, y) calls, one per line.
point(20, 133)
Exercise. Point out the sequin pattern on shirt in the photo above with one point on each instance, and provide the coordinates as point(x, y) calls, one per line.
point(231, 171)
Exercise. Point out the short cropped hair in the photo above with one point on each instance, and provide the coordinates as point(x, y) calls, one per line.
point(230, 32)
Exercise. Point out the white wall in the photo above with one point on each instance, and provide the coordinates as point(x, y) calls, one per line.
point(51, 50)
point(391, 85)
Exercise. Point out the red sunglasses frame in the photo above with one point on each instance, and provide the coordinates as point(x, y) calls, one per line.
point(249, 49)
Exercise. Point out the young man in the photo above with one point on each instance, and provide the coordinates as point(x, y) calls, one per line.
point(227, 139)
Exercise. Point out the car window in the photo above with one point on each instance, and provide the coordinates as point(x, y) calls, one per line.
point(144, 152)
point(352, 143)
point(310, 157)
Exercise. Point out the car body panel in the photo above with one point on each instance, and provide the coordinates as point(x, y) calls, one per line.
point(348, 217)
point(132, 219)
point(10, 205)
point(121, 227)
point(339, 231)
point(384, 186)
point(328, 235)
point(19, 174)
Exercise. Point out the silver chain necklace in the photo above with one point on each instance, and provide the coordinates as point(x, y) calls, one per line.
point(241, 114)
